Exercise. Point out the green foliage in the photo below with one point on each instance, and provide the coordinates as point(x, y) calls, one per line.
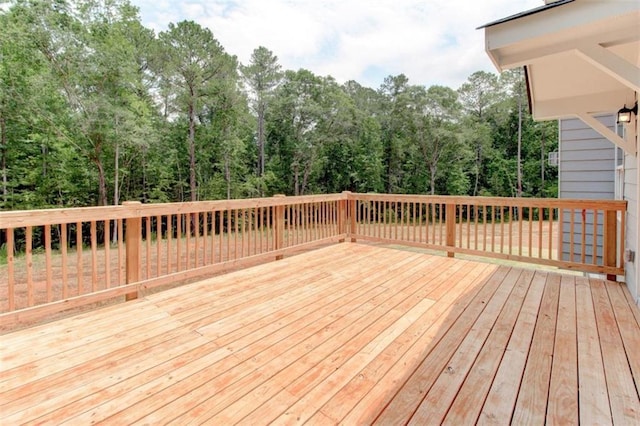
point(95, 109)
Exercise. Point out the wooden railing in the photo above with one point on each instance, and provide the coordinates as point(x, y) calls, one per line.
point(572, 234)
point(63, 258)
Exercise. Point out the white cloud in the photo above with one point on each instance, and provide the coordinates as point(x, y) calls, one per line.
point(432, 42)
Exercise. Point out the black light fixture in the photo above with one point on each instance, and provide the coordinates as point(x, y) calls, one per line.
point(624, 115)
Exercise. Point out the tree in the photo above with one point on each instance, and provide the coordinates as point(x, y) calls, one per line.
point(396, 111)
point(88, 47)
point(513, 81)
point(193, 64)
point(437, 131)
point(263, 76)
point(478, 95)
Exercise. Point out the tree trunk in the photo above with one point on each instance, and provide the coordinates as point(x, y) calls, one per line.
point(227, 175)
point(116, 191)
point(145, 194)
point(432, 178)
point(116, 177)
point(192, 149)
point(305, 177)
point(3, 161)
point(102, 182)
point(296, 181)
point(478, 165)
point(261, 110)
point(519, 183)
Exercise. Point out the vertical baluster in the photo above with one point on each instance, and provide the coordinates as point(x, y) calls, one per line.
point(179, 242)
point(29, 264)
point(11, 283)
point(530, 253)
point(94, 256)
point(622, 236)
point(65, 273)
point(195, 217)
point(502, 229)
point(510, 218)
point(420, 222)
point(540, 230)
point(469, 209)
point(212, 251)
point(559, 232)
point(571, 235)
point(107, 253)
point(242, 225)
point(221, 234)
point(270, 247)
point(147, 229)
point(169, 238)
point(235, 234)
point(261, 227)
point(79, 268)
point(48, 265)
point(594, 240)
point(188, 220)
point(460, 220)
point(158, 245)
point(120, 251)
point(493, 229)
point(583, 236)
point(475, 226)
point(401, 208)
point(520, 242)
point(485, 227)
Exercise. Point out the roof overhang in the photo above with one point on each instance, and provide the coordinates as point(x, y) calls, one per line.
point(582, 58)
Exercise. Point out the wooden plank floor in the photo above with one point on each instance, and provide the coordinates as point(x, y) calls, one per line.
point(349, 334)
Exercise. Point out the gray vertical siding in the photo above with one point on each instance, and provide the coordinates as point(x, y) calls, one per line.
point(586, 171)
point(631, 176)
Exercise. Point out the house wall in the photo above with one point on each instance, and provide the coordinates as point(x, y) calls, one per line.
point(632, 195)
point(586, 171)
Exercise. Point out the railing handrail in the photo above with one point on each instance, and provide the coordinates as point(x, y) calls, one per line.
point(41, 217)
point(616, 205)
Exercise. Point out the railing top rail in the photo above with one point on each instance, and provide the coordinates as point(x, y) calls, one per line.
point(22, 218)
point(617, 205)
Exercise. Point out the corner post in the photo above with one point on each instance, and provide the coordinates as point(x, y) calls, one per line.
point(352, 216)
point(279, 226)
point(342, 214)
point(450, 222)
point(610, 241)
point(133, 242)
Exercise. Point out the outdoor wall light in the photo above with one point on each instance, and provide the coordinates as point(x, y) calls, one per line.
point(624, 115)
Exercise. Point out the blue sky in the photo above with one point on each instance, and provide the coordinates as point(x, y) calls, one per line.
point(431, 42)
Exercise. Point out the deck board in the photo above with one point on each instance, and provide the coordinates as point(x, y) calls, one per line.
point(563, 401)
point(350, 334)
point(468, 403)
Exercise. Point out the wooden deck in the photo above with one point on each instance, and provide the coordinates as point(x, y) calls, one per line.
point(351, 334)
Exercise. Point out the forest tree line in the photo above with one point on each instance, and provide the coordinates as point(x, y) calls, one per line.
point(96, 109)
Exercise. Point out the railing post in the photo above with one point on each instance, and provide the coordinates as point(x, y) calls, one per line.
point(352, 217)
point(450, 221)
point(133, 242)
point(342, 214)
point(279, 226)
point(610, 241)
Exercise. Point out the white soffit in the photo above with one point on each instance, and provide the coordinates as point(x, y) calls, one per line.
point(582, 56)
